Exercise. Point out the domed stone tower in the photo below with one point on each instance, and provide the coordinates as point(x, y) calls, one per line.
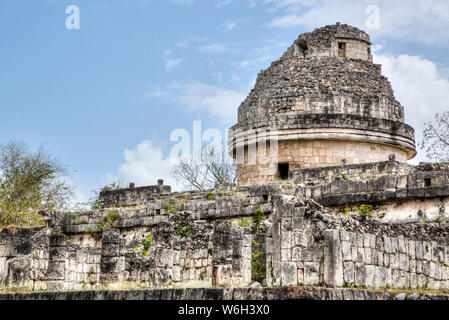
point(323, 103)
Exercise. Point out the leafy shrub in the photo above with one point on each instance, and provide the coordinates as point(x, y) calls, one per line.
point(243, 222)
point(346, 210)
point(183, 232)
point(365, 210)
point(258, 219)
point(148, 244)
point(170, 208)
point(340, 175)
point(110, 221)
point(258, 263)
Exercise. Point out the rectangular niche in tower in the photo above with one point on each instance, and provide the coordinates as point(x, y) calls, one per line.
point(342, 50)
point(283, 169)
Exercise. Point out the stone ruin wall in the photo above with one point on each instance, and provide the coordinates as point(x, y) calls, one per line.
point(306, 242)
point(73, 253)
point(336, 251)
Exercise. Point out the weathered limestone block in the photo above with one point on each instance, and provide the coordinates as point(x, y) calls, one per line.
point(387, 244)
point(427, 250)
point(369, 240)
point(368, 256)
point(222, 275)
point(380, 258)
point(111, 236)
point(286, 255)
point(360, 255)
point(349, 272)
point(58, 254)
point(404, 262)
point(369, 276)
point(360, 274)
point(380, 277)
point(3, 270)
point(18, 246)
point(346, 251)
point(56, 271)
point(289, 274)
point(401, 244)
point(437, 252)
point(345, 236)
point(333, 260)
point(311, 273)
point(394, 261)
point(18, 272)
point(286, 240)
point(112, 265)
point(419, 250)
point(297, 254)
point(386, 260)
point(412, 249)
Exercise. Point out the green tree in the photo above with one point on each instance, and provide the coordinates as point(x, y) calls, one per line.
point(29, 183)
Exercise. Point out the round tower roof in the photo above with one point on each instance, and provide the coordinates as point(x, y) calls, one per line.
point(309, 92)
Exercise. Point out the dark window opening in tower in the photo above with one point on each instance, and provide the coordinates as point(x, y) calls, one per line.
point(369, 51)
point(283, 171)
point(304, 48)
point(342, 50)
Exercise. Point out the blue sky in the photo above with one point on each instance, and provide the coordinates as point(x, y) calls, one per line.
point(105, 98)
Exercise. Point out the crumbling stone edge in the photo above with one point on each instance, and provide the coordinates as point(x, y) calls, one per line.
point(227, 294)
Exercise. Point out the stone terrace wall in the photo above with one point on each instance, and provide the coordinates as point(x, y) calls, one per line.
point(352, 172)
point(423, 182)
point(131, 196)
point(337, 251)
point(48, 260)
point(67, 262)
point(194, 242)
point(24, 258)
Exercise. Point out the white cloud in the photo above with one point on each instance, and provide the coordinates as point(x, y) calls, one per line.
point(229, 25)
point(218, 102)
point(223, 3)
point(235, 77)
point(171, 63)
point(189, 39)
point(213, 48)
point(145, 164)
point(419, 87)
point(413, 20)
point(79, 194)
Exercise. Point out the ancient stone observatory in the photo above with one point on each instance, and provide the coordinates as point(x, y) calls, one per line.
point(322, 103)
